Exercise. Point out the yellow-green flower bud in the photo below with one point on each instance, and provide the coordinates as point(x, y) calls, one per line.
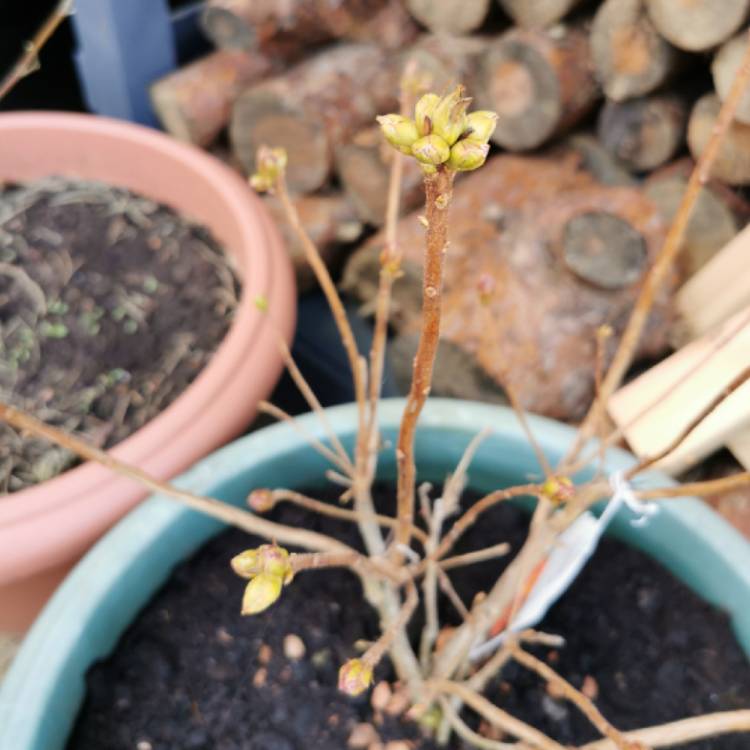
point(467, 155)
point(449, 116)
point(355, 676)
point(558, 489)
point(423, 113)
point(247, 564)
point(275, 561)
point(261, 593)
point(431, 149)
point(270, 164)
point(399, 131)
point(481, 125)
point(261, 500)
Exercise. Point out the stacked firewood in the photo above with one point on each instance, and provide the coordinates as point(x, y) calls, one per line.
point(622, 95)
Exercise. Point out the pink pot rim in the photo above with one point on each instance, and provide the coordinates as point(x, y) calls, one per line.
point(246, 360)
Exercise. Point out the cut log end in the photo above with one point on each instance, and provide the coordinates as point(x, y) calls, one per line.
point(450, 16)
point(538, 84)
point(604, 250)
point(258, 121)
point(629, 56)
point(643, 133)
point(537, 13)
point(697, 25)
point(724, 69)
point(732, 164)
point(226, 29)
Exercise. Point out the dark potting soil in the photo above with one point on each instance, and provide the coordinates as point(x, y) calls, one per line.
point(110, 305)
point(192, 674)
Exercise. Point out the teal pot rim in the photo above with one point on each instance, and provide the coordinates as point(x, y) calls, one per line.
point(82, 623)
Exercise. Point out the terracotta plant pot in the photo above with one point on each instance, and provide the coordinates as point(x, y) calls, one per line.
point(45, 529)
point(43, 691)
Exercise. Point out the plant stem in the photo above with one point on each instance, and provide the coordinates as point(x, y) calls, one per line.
point(699, 489)
point(438, 191)
point(208, 506)
point(25, 64)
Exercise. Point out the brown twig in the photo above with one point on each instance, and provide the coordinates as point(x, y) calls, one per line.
point(479, 507)
point(664, 261)
point(697, 489)
point(496, 716)
point(694, 423)
point(471, 558)
point(577, 698)
point(29, 59)
point(216, 509)
point(466, 733)
point(686, 730)
point(438, 192)
point(345, 514)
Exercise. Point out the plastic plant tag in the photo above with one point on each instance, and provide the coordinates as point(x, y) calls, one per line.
point(565, 561)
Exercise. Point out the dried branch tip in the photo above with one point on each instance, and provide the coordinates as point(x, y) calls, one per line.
point(441, 133)
point(270, 164)
point(261, 500)
point(355, 676)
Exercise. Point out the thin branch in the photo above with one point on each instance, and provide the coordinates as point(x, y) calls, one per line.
point(348, 559)
point(694, 423)
point(438, 190)
point(313, 402)
point(466, 733)
point(479, 507)
point(665, 259)
point(495, 715)
point(215, 508)
point(29, 59)
point(685, 730)
point(446, 586)
point(697, 489)
point(457, 480)
point(577, 698)
point(471, 558)
point(345, 514)
point(274, 411)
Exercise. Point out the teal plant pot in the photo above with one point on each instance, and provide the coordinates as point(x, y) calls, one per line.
point(82, 623)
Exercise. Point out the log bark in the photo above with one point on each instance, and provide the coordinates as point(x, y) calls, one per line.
point(643, 133)
point(699, 24)
point(331, 223)
point(286, 29)
point(315, 105)
point(450, 16)
point(537, 13)
point(541, 228)
point(539, 83)
point(732, 165)
point(717, 216)
point(194, 103)
point(363, 166)
point(595, 159)
point(724, 68)
point(629, 56)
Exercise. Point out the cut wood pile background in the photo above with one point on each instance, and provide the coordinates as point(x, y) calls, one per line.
point(610, 102)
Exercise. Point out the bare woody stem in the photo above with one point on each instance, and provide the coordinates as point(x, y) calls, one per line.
point(208, 506)
point(587, 708)
point(698, 489)
point(438, 192)
point(664, 261)
point(25, 64)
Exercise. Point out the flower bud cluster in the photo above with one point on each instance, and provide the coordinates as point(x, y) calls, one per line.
point(442, 133)
point(270, 164)
point(355, 676)
point(269, 569)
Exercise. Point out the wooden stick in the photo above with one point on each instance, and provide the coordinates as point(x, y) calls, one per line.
point(28, 61)
point(724, 68)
